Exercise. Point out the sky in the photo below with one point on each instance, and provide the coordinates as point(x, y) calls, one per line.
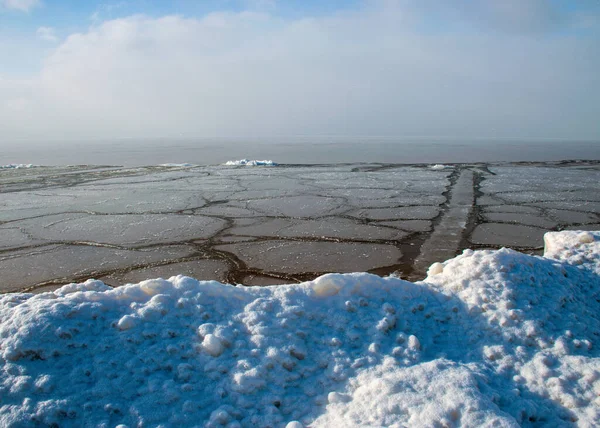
point(140, 69)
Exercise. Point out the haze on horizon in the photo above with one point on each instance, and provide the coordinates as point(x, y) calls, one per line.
point(148, 69)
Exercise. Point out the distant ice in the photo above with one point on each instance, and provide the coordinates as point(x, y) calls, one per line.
point(176, 164)
point(489, 338)
point(248, 162)
point(17, 166)
point(440, 166)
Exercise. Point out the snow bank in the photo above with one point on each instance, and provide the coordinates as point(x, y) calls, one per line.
point(248, 162)
point(17, 166)
point(493, 338)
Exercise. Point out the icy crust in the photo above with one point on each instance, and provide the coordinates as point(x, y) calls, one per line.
point(248, 162)
point(490, 338)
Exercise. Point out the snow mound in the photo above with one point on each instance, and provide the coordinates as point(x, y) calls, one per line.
point(248, 162)
point(17, 166)
point(489, 338)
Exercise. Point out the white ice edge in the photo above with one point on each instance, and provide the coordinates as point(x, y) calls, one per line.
point(17, 166)
point(494, 338)
point(248, 162)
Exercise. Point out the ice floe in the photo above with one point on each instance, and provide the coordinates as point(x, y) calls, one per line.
point(489, 338)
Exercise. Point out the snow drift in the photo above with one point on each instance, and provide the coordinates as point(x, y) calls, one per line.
point(492, 338)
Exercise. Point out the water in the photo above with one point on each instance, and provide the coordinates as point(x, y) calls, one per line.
point(295, 150)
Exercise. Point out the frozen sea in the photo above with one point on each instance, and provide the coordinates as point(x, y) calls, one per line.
point(262, 224)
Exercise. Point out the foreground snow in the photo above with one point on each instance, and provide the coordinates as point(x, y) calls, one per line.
point(490, 338)
point(248, 162)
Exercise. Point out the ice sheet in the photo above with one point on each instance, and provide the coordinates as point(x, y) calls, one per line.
point(508, 235)
point(26, 268)
point(298, 257)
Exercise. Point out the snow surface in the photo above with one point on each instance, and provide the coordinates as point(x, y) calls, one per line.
point(177, 164)
point(248, 162)
point(489, 338)
point(17, 166)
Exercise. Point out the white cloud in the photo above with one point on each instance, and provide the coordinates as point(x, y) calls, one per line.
point(22, 5)
point(372, 71)
point(47, 33)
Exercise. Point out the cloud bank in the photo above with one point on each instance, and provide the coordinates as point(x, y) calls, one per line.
point(388, 68)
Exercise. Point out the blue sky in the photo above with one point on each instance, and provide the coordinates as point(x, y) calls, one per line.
point(140, 68)
point(69, 16)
